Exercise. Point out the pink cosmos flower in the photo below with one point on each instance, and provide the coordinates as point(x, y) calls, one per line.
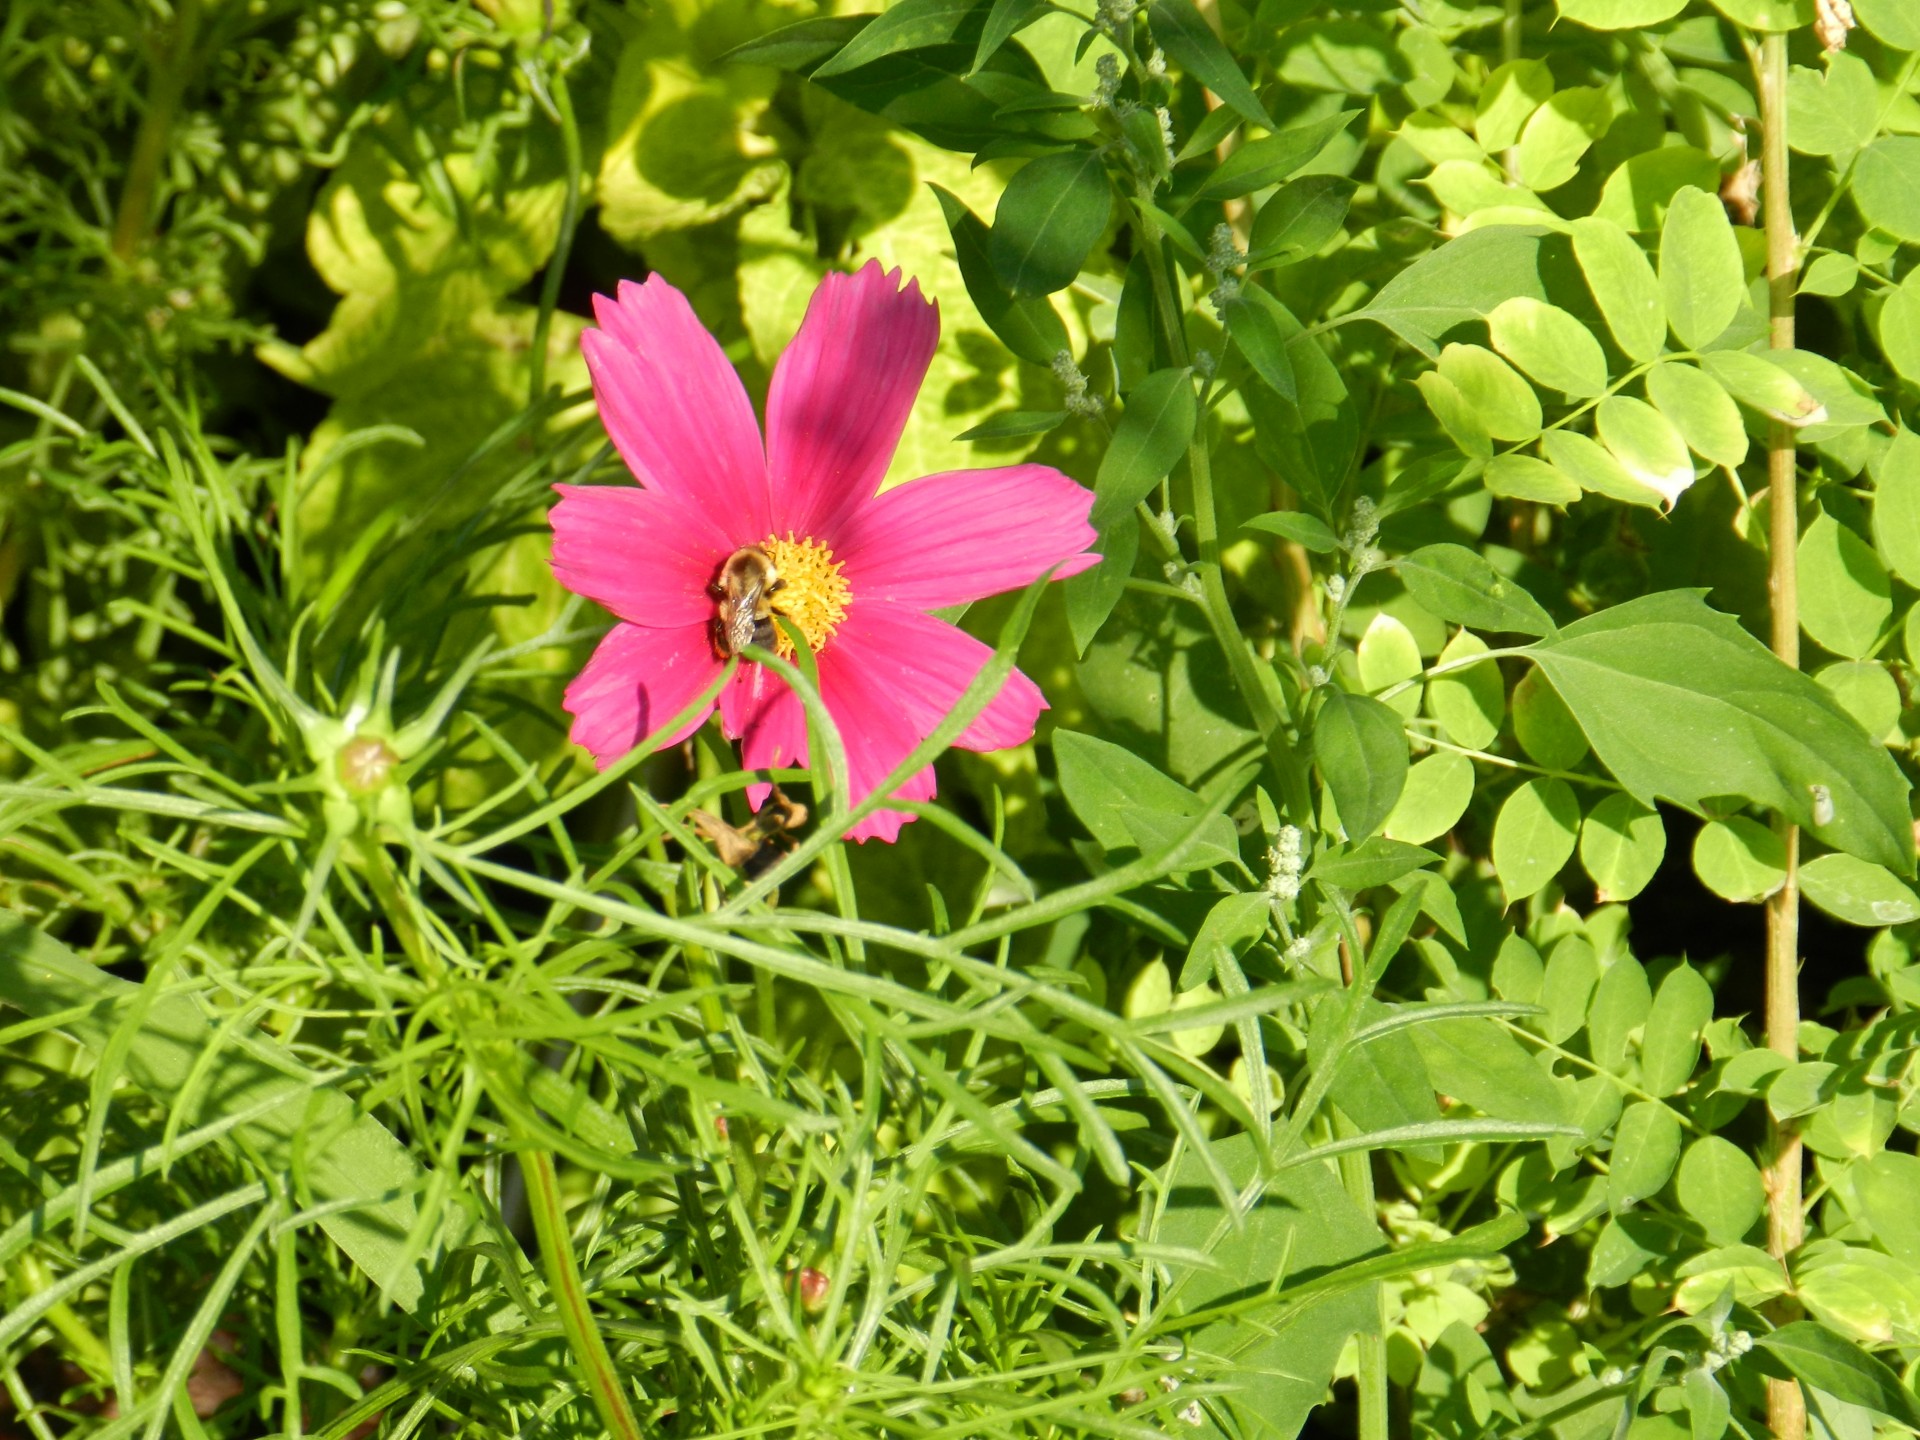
point(860, 570)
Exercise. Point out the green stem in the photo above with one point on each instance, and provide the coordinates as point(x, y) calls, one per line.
point(171, 68)
point(1786, 1407)
point(563, 244)
point(592, 1362)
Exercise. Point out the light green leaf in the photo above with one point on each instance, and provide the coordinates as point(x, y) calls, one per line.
point(1623, 284)
point(1896, 505)
point(1846, 599)
point(1640, 191)
point(1523, 477)
point(1387, 654)
point(1701, 410)
point(1534, 836)
point(1768, 15)
point(1621, 1003)
point(1437, 793)
point(908, 25)
point(1231, 923)
point(1620, 14)
point(1646, 1147)
point(1460, 281)
point(1818, 1357)
point(1456, 415)
point(1830, 274)
point(1267, 161)
point(1739, 859)
point(1647, 445)
point(1454, 583)
point(1899, 328)
point(1585, 461)
point(1544, 726)
point(1865, 691)
point(1702, 277)
point(1361, 752)
point(1110, 788)
point(1670, 1046)
point(1720, 1188)
point(1760, 381)
point(1622, 843)
point(1888, 1186)
point(1502, 402)
point(1833, 113)
point(1476, 1061)
point(1572, 972)
point(1550, 345)
point(1893, 21)
point(1511, 94)
point(1886, 186)
point(1858, 892)
point(1308, 531)
point(1680, 703)
point(1559, 133)
point(1470, 702)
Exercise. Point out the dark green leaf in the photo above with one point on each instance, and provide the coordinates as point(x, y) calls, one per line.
point(1180, 30)
point(1006, 19)
point(1261, 336)
point(1815, 1356)
point(1303, 529)
point(801, 46)
point(1456, 584)
point(1378, 861)
point(1092, 594)
point(1049, 218)
point(1010, 424)
point(1682, 704)
point(1152, 435)
point(1300, 218)
point(1361, 751)
point(1271, 159)
point(909, 25)
point(1029, 328)
point(1465, 279)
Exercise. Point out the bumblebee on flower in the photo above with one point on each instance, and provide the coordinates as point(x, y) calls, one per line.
point(722, 535)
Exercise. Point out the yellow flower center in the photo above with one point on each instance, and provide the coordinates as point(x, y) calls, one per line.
point(813, 594)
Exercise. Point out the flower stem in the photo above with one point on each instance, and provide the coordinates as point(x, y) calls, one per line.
point(592, 1362)
point(1786, 1407)
point(170, 67)
point(563, 242)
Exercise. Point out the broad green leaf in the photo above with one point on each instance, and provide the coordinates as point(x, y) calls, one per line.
point(1753, 1275)
point(1572, 972)
point(1865, 691)
point(1834, 113)
point(344, 1159)
point(1646, 444)
point(1858, 892)
point(1625, 1246)
point(1468, 187)
point(1523, 477)
point(1265, 162)
point(1700, 410)
point(1623, 284)
point(1231, 923)
point(1559, 133)
point(1457, 584)
point(1646, 1147)
point(1475, 1060)
point(1622, 843)
point(1029, 328)
point(1050, 216)
point(1534, 836)
point(1307, 531)
point(1304, 1224)
point(1846, 599)
point(909, 25)
point(1510, 94)
point(1092, 594)
point(1544, 726)
point(1261, 335)
point(801, 46)
point(1006, 19)
point(1768, 15)
point(1437, 793)
point(1620, 14)
point(1462, 280)
point(1298, 220)
point(1886, 186)
point(1550, 345)
point(1896, 505)
point(1888, 1187)
point(1680, 703)
point(1583, 460)
point(1900, 328)
point(1469, 702)
point(1378, 861)
point(1502, 402)
point(1720, 1188)
point(1830, 274)
point(1702, 277)
point(1386, 655)
point(1110, 788)
point(1184, 34)
point(1739, 859)
point(1641, 190)
point(1518, 972)
point(1816, 1356)
point(1148, 442)
point(1456, 414)
point(1621, 1003)
point(1892, 21)
point(1760, 381)
point(1846, 398)
point(1670, 1046)
point(1361, 752)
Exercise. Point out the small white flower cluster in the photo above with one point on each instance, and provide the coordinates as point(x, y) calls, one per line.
point(1112, 17)
point(1726, 1347)
point(1362, 530)
point(1165, 117)
point(1222, 258)
point(1286, 861)
point(1107, 68)
point(1074, 380)
point(1298, 950)
point(1204, 364)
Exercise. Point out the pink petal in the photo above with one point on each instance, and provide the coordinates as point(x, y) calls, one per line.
point(950, 538)
point(841, 394)
point(673, 406)
point(639, 678)
point(643, 554)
